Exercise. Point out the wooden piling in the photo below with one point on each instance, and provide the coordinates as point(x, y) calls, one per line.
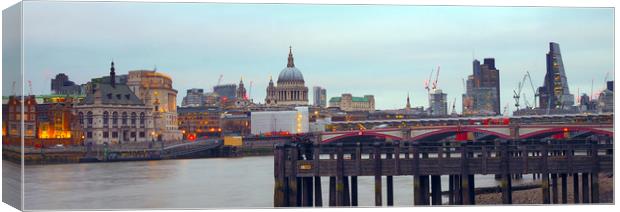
point(585, 188)
point(318, 194)
point(563, 179)
point(451, 190)
point(436, 189)
point(417, 185)
point(358, 161)
point(545, 174)
point(554, 188)
point(377, 171)
point(332, 191)
point(576, 188)
point(466, 180)
point(339, 175)
point(347, 193)
point(306, 192)
point(506, 184)
point(595, 171)
point(390, 186)
point(279, 159)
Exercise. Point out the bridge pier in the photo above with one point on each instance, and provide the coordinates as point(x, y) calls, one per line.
point(377, 171)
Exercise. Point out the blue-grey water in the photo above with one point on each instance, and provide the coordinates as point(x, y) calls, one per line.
point(193, 183)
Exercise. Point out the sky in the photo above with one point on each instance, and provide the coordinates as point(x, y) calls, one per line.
point(384, 50)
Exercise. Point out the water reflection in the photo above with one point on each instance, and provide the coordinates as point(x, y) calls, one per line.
point(197, 183)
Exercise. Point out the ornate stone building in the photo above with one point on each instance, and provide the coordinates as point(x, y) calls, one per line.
point(111, 113)
point(348, 102)
point(290, 89)
point(155, 90)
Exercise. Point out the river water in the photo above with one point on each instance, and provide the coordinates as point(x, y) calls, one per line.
point(193, 183)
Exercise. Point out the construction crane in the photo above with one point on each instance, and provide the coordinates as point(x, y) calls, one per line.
point(536, 94)
point(436, 78)
point(527, 104)
point(219, 80)
point(426, 82)
point(517, 94)
point(250, 91)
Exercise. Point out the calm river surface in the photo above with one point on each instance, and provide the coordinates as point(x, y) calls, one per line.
point(194, 183)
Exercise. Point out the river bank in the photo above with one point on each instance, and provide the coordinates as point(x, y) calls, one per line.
point(534, 196)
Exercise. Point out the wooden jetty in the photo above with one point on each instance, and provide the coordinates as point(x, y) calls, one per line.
point(298, 168)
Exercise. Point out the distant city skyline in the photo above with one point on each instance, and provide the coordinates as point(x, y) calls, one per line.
point(342, 48)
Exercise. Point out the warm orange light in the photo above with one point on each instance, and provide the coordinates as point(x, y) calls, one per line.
point(565, 129)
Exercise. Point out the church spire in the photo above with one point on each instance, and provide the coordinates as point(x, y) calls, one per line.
point(290, 64)
point(408, 102)
point(112, 75)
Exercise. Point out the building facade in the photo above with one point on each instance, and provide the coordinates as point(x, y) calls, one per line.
point(226, 92)
point(554, 93)
point(155, 90)
point(482, 96)
point(112, 114)
point(438, 104)
point(200, 121)
point(348, 102)
point(319, 96)
point(62, 85)
point(194, 97)
point(290, 89)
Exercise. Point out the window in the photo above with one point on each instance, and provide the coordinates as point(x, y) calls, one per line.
point(106, 134)
point(105, 118)
point(142, 119)
point(124, 118)
point(89, 134)
point(142, 134)
point(114, 134)
point(114, 118)
point(133, 134)
point(133, 119)
point(81, 117)
point(89, 118)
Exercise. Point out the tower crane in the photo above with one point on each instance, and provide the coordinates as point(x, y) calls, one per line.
point(250, 90)
point(436, 78)
point(426, 82)
point(219, 80)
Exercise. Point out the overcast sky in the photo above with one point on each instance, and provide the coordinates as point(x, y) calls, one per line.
point(384, 50)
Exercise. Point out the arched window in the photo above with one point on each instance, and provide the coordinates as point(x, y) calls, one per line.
point(81, 117)
point(106, 117)
point(124, 118)
point(142, 118)
point(114, 118)
point(133, 118)
point(89, 118)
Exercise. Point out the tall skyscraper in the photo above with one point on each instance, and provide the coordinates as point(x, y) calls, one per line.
point(554, 93)
point(319, 96)
point(482, 96)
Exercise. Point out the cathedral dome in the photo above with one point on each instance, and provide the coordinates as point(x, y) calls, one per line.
point(290, 73)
